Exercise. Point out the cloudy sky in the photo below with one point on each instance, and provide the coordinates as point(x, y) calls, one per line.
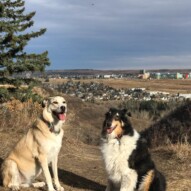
point(113, 34)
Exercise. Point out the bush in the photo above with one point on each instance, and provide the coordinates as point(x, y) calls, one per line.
point(4, 95)
point(17, 82)
point(19, 88)
point(23, 95)
point(17, 116)
point(172, 128)
point(155, 109)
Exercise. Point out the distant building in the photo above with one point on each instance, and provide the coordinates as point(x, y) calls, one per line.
point(186, 76)
point(158, 75)
point(179, 76)
point(142, 72)
point(107, 76)
point(144, 75)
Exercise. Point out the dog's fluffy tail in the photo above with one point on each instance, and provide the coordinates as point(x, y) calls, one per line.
point(159, 182)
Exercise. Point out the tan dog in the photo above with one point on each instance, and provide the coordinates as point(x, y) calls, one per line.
point(39, 147)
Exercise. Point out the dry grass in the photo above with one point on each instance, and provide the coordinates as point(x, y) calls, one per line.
point(174, 160)
point(173, 128)
point(80, 164)
point(181, 150)
point(17, 116)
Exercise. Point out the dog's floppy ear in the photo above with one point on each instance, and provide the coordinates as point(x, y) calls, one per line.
point(44, 103)
point(129, 114)
point(112, 109)
point(124, 111)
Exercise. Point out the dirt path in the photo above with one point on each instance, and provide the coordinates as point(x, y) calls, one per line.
point(81, 169)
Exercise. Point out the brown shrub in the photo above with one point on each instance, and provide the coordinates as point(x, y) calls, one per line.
point(17, 115)
point(173, 128)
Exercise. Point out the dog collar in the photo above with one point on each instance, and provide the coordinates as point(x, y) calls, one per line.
point(52, 130)
point(51, 127)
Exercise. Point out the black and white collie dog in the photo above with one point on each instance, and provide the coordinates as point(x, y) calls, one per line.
point(127, 160)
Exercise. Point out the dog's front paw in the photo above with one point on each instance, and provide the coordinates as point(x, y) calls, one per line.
point(59, 188)
point(51, 189)
point(14, 188)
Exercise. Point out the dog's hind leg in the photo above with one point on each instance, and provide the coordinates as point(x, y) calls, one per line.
point(25, 185)
point(147, 180)
point(35, 185)
point(38, 184)
point(10, 174)
point(158, 183)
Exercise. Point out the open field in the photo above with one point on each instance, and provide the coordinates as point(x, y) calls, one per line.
point(171, 86)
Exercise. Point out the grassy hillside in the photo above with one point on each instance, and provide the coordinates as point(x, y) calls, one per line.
point(80, 163)
point(172, 128)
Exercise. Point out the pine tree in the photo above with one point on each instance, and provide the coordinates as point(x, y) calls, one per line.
point(14, 38)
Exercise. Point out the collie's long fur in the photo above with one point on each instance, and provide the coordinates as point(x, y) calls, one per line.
point(39, 147)
point(126, 156)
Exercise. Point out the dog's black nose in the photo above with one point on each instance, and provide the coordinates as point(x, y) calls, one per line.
point(63, 108)
point(108, 124)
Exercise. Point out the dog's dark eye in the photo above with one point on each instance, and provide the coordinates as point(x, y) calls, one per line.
point(64, 102)
point(107, 114)
point(55, 102)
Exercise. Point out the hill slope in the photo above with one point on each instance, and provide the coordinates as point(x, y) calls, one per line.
point(80, 163)
point(173, 128)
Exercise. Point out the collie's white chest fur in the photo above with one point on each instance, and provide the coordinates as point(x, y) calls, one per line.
point(116, 154)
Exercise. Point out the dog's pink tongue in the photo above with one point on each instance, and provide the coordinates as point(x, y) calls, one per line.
point(109, 131)
point(62, 116)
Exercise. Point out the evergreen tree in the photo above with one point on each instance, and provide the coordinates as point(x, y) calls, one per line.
point(14, 38)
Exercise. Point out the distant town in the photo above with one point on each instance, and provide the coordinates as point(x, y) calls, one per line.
point(95, 92)
point(106, 74)
point(137, 74)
